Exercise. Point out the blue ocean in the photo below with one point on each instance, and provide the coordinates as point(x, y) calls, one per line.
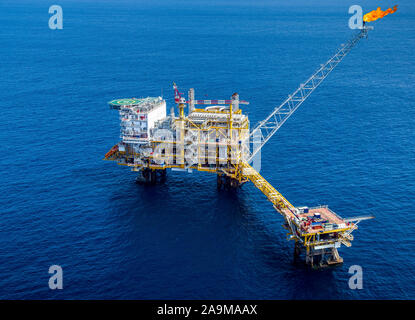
point(351, 145)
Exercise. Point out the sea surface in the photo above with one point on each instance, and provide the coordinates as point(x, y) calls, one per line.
point(351, 145)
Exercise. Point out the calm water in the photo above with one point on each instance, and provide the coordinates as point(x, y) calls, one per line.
point(351, 145)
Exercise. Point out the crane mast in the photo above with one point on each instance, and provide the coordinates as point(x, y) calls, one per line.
point(266, 128)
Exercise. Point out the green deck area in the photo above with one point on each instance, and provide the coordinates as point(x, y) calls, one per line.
point(125, 102)
point(117, 103)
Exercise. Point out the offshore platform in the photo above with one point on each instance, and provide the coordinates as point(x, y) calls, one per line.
point(215, 136)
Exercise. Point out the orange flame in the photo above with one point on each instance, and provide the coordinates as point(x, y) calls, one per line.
point(378, 14)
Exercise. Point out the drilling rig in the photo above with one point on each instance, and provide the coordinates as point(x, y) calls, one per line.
point(215, 136)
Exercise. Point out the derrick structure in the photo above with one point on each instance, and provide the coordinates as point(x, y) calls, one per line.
point(218, 139)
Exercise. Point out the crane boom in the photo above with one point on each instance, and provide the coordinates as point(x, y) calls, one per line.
point(266, 128)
